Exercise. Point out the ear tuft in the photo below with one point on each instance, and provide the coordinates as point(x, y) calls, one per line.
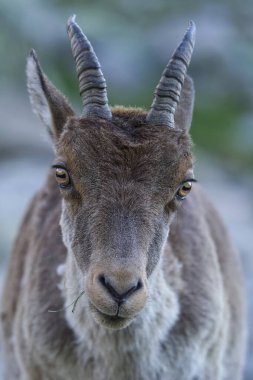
point(47, 102)
point(37, 96)
point(184, 111)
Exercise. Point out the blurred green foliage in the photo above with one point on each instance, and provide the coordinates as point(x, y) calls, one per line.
point(134, 40)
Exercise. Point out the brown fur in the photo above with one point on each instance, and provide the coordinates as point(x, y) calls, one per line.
point(120, 218)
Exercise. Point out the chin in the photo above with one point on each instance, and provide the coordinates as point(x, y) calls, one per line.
point(110, 321)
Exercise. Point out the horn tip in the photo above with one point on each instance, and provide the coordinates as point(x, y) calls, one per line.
point(192, 28)
point(192, 24)
point(71, 20)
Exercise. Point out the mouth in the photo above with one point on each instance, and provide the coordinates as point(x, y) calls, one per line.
point(110, 321)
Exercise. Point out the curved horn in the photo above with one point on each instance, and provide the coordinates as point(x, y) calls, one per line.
point(168, 90)
point(91, 80)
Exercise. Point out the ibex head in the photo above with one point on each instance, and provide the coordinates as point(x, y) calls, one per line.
point(122, 174)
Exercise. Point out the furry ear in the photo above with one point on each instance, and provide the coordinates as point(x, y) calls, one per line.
point(183, 115)
point(47, 102)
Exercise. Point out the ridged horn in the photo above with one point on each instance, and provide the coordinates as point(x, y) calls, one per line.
point(92, 83)
point(168, 90)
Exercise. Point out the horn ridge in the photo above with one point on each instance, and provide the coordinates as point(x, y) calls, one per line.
point(168, 90)
point(92, 84)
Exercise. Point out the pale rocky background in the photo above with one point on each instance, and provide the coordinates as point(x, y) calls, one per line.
point(134, 40)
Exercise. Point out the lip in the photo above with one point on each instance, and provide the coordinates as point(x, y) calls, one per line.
point(109, 321)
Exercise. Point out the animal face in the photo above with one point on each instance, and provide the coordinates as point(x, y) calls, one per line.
point(122, 174)
point(120, 196)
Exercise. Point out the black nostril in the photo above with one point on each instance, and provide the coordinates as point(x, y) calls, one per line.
point(120, 298)
point(139, 285)
point(133, 289)
point(102, 280)
point(106, 284)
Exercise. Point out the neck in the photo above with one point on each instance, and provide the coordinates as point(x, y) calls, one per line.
point(159, 315)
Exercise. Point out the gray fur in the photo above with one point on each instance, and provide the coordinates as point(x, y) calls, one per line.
point(120, 218)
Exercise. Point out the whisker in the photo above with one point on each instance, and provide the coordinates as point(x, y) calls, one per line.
point(74, 303)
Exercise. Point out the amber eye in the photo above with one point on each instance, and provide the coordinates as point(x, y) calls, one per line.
point(62, 177)
point(184, 189)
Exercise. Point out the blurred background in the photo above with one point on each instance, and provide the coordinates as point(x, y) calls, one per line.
point(134, 41)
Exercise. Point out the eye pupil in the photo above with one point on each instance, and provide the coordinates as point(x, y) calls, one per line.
point(186, 187)
point(184, 190)
point(62, 177)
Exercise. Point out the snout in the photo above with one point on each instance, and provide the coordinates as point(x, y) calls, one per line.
point(116, 296)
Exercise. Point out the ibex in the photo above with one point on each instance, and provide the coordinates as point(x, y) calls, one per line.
point(127, 238)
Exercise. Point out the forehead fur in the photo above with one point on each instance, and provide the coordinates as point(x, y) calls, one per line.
point(125, 148)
